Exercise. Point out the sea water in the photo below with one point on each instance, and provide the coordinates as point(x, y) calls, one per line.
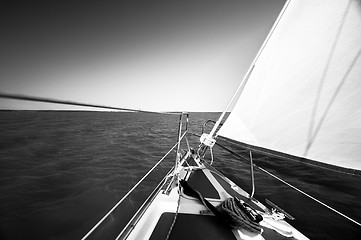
point(61, 171)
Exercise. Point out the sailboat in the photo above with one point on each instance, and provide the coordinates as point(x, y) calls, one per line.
point(299, 100)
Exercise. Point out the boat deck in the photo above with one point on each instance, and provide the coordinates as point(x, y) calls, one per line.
point(206, 185)
point(185, 217)
point(191, 227)
point(201, 227)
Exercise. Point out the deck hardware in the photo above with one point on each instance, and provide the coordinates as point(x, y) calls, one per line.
point(277, 208)
point(252, 174)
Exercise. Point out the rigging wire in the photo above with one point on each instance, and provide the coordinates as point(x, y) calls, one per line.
point(309, 196)
point(129, 192)
point(295, 188)
point(73, 103)
point(66, 102)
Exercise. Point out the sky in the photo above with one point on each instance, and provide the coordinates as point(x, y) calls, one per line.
point(187, 55)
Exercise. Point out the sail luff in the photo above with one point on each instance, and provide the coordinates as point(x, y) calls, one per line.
point(249, 71)
point(304, 95)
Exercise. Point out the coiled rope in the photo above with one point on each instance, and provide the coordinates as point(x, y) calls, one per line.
point(229, 211)
point(237, 217)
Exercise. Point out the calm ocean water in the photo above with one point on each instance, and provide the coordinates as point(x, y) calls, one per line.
point(60, 172)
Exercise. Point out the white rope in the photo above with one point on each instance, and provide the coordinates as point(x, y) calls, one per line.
point(210, 149)
point(306, 194)
point(130, 191)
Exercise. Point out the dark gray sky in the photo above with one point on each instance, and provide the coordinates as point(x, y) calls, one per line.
point(150, 55)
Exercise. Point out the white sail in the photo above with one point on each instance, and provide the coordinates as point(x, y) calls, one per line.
point(303, 96)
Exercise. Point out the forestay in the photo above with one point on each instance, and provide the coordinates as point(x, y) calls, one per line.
point(303, 96)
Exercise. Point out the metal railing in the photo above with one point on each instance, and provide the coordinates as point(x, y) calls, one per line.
point(181, 135)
